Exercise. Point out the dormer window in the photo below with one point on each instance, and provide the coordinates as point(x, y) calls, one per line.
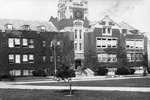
point(42, 28)
point(9, 26)
point(106, 30)
point(124, 30)
point(26, 27)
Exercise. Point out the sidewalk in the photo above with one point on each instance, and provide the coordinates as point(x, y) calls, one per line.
point(131, 89)
point(17, 85)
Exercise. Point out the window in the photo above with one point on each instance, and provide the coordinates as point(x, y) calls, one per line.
point(99, 57)
point(139, 44)
point(132, 57)
point(44, 58)
point(17, 42)
point(76, 46)
point(134, 44)
point(17, 59)
point(106, 42)
point(11, 58)
point(42, 28)
point(137, 57)
point(14, 42)
point(76, 34)
point(26, 27)
point(103, 57)
point(114, 58)
point(51, 58)
point(11, 42)
point(25, 72)
point(51, 43)
point(25, 43)
point(62, 14)
point(31, 58)
point(31, 43)
point(58, 42)
point(44, 43)
point(80, 46)
point(109, 58)
point(58, 58)
point(129, 57)
point(109, 29)
point(114, 43)
point(109, 46)
point(9, 26)
point(130, 43)
point(80, 34)
point(17, 72)
point(141, 57)
point(104, 30)
point(30, 72)
point(25, 59)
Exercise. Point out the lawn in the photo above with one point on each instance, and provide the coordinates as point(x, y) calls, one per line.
point(77, 95)
point(134, 82)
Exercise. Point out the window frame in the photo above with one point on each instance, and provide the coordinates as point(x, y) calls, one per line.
point(17, 42)
point(29, 58)
point(76, 34)
point(24, 42)
point(75, 46)
point(16, 60)
point(25, 59)
point(106, 42)
point(11, 43)
point(31, 43)
point(11, 61)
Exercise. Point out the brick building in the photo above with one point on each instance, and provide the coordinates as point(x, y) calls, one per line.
point(73, 20)
point(26, 46)
point(108, 34)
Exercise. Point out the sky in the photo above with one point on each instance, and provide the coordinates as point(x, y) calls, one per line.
point(133, 12)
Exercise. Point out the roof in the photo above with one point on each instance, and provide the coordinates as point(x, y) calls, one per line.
point(54, 21)
point(17, 24)
point(122, 25)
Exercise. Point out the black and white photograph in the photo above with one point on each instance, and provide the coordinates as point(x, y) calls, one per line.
point(74, 50)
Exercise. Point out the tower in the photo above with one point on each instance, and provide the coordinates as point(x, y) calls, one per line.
point(73, 19)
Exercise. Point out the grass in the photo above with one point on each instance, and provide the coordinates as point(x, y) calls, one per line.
point(77, 95)
point(135, 82)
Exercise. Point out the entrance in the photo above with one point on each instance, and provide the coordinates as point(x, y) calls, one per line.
point(77, 63)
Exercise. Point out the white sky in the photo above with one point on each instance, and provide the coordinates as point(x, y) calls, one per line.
point(134, 12)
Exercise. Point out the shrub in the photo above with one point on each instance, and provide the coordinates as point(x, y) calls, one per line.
point(132, 71)
point(123, 71)
point(65, 72)
point(7, 76)
point(102, 71)
point(148, 70)
point(39, 72)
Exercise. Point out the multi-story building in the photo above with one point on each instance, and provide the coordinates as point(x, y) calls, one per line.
point(73, 20)
point(26, 46)
point(108, 34)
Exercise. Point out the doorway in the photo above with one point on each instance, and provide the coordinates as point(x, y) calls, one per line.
point(77, 63)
